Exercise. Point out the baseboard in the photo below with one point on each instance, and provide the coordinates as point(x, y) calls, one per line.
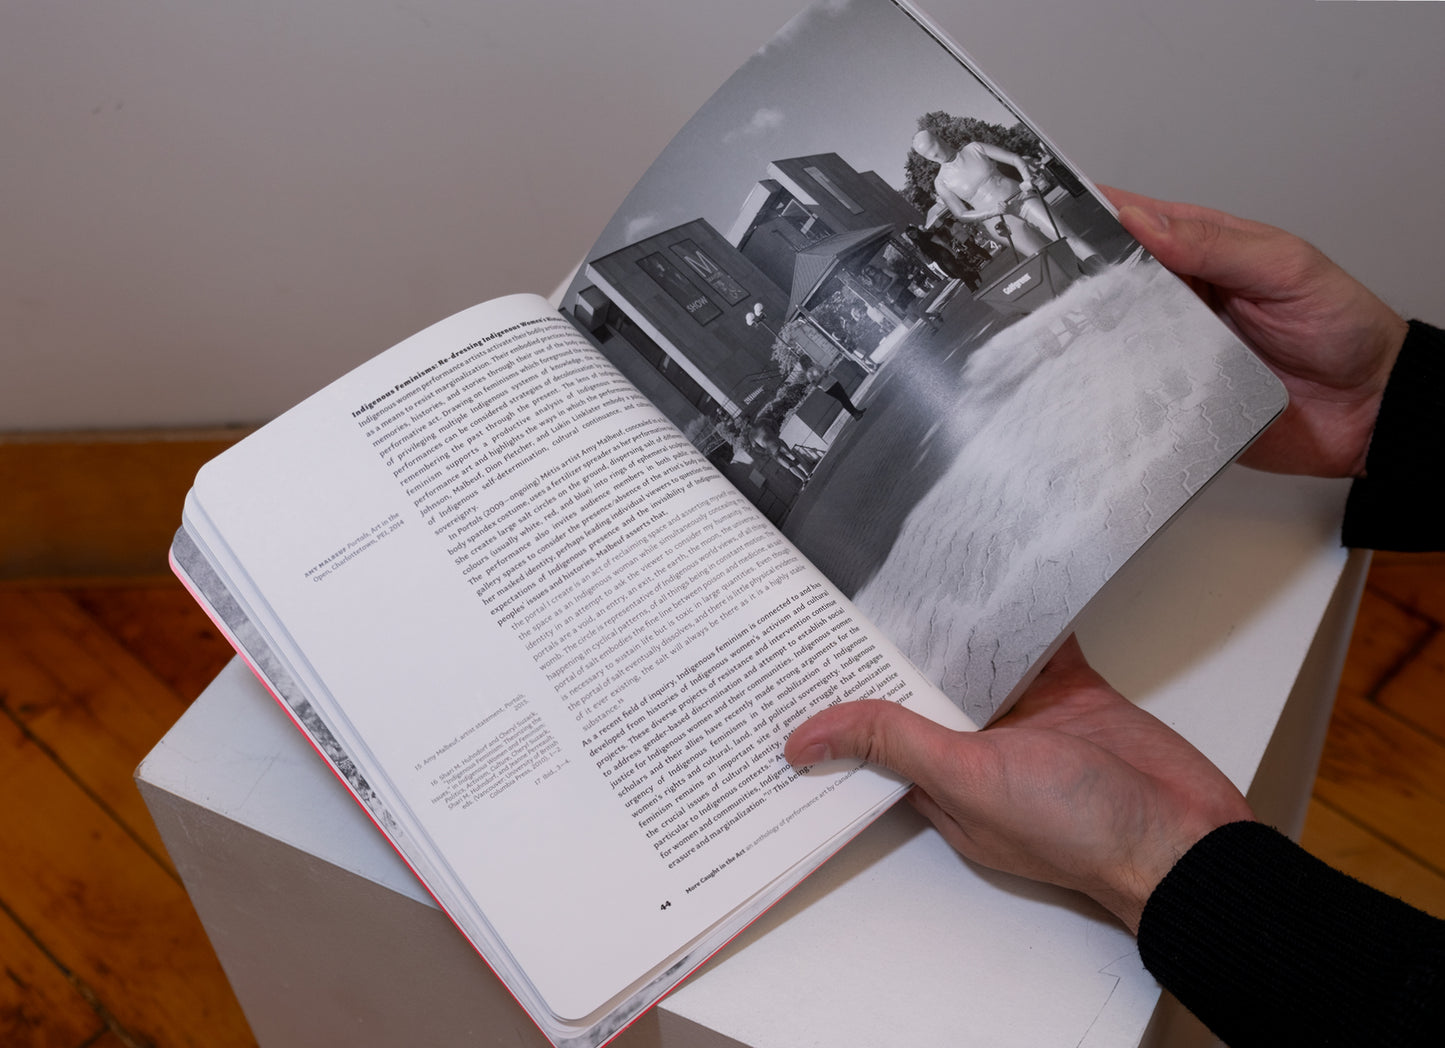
point(98, 504)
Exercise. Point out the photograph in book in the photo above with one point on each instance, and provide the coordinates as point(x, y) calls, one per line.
point(897, 320)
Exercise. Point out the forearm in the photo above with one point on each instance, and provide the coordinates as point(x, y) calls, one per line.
point(1268, 946)
point(1000, 155)
point(956, 205)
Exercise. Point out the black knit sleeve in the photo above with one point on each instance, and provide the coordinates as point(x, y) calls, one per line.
point(1395, 506)
point(1267, 945)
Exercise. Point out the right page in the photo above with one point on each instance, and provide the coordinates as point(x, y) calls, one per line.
point(888, 310)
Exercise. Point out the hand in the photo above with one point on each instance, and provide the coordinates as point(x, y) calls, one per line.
point(1075, 785)
point(1327, 337)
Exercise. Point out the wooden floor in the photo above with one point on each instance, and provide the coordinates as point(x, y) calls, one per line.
point(99, 945)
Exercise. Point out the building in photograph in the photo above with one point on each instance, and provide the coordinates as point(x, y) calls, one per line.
point(747, 341)
point(679, 314)
point(689, 293)
point(836, 239)
point(803, 200)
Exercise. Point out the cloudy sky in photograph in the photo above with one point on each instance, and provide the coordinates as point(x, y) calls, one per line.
point(850, 77)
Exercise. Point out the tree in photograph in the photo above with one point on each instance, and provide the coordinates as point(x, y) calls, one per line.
point(788, 396)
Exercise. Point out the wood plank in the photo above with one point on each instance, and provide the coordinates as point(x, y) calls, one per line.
point(39, 1008)
point(1386, 635)
point(93, 504)
point(110, 1040)
point(85, 699)
point(1412, 580)
point(1348, 846)
point(1383, 773)
point(161, 625)
point(1417, 692)
point(113, 918)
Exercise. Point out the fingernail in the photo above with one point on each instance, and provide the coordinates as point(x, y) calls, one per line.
point(814, 753)
point(1136, 216)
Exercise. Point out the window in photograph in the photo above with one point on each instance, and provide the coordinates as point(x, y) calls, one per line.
point(817, 175)
point(679, 287)
point(716, 277)
point(651, 352)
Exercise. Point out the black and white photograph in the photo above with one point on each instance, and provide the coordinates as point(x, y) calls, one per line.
point(898, 321)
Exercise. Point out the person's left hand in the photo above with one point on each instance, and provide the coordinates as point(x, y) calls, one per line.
point(1330, 340)
point(1075, 785)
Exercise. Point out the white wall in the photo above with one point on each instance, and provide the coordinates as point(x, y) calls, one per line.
point(208, 210)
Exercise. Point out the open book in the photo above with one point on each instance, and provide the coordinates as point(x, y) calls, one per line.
point(862, 393)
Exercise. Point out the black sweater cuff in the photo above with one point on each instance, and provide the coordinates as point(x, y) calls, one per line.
point(1395, 505)
point(1269, 946)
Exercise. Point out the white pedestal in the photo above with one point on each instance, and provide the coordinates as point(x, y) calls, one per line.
point(1231, 627)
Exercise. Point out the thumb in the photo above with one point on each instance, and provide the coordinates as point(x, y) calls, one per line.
point(1230, 253)
point(882, 733)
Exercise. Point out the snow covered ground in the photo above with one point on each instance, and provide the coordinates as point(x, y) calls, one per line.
point(1074, 435)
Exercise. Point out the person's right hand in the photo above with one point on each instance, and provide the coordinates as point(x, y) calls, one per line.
point(1327, 337)
point(1075, 785)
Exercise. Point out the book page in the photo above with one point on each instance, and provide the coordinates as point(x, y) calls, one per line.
point(557, 636)
point(914, 336)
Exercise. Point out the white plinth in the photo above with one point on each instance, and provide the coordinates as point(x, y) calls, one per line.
point(1230, 626)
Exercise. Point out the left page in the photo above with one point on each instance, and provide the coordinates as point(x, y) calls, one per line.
point(571, 704)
